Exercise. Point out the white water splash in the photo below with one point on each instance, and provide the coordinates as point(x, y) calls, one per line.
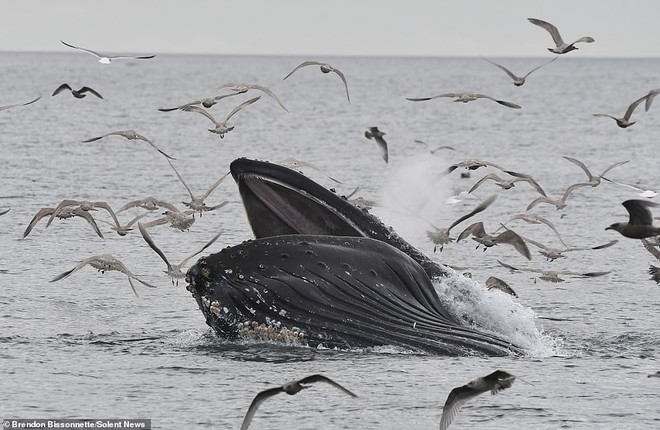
point(473, 304)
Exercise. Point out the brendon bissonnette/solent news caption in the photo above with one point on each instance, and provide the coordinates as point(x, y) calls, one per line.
point(76, 424)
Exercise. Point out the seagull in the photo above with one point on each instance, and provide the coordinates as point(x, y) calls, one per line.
point(148, 203)
point(243, 88)
point(466, 97)
point(63, 213)
point(433, 151)
point(196, 204)
point(130, 135)
point(498, 284)
point(177, 219)
point(552, 254)
point(625, 121)
point(377, 135)
point(325, 68)
point(506, 184)
point(594, 180)
point(482, 238)
point(103, 263)
point(207, 102)
point(173, 271)
point(220, 127)
point(533, 218)
point(473, 164)
point(106, 59)
point(18, 104)
point(640, 223)
point(440, 236)
point(553, 275)
point(79, 94)
point(4, 211)
point(291, 388)
point(561, 46)
point(518, 80)
point(459, 396)
point(84, 205)
point(294, 163)
point(649, 194)
point(123, 230)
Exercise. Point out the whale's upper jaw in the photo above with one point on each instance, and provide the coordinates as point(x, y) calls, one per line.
point(280, 201)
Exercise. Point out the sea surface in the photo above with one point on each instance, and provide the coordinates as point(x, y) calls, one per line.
point(86, 347)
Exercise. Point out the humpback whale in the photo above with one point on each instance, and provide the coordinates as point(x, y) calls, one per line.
point(323, 272)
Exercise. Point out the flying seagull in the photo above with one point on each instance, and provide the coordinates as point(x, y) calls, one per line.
point(130, 135)
point(506, 184)
point(293, 387)
point(85, 205)
point(148, 203)
point(625, 121)
point(243, 88)
point(553, 275)
point(177, 219)
point(325, 68)
point(221, 128)
point(79, 94)
point(440, 236)
point(196, 204)
point(561, 47)
point(640, 223)
point(63, 213)
point(459, 396)
point(173, 271)
point(5, 107)
point(103, 263)
point(482, 238)
point(518, 80)
point(465, 97)
point(377, 135)
point(207, 102)
point(107, 59)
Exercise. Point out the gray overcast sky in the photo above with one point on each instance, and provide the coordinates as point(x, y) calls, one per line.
point(331, 27)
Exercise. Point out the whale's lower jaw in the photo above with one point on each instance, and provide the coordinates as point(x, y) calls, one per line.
point(335, 292)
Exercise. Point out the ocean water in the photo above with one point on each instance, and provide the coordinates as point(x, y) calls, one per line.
point(86, 347)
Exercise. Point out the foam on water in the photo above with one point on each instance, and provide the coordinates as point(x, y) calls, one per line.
point(472, 303)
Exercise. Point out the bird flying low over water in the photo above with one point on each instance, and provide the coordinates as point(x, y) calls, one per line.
point(291, 388)
point(63, 213)
point(553, 275)
point(325, 68)
point(640, 223)
point(79, 94)
point(130, 135)
point(107, 59)
point(5, 107)
point(221, 128)
point(377, 135)
point(625, 121)
point(649, 194)
point(561, 47)
point(103, 263)
point(465, 97)
point(440, 236)
point(243, 88)
point(482, 238)
point(459, 396)
point(518, 80)
point(173, 270)
point(196, 204)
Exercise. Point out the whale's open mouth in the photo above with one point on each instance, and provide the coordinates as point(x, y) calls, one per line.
point(278, 201)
